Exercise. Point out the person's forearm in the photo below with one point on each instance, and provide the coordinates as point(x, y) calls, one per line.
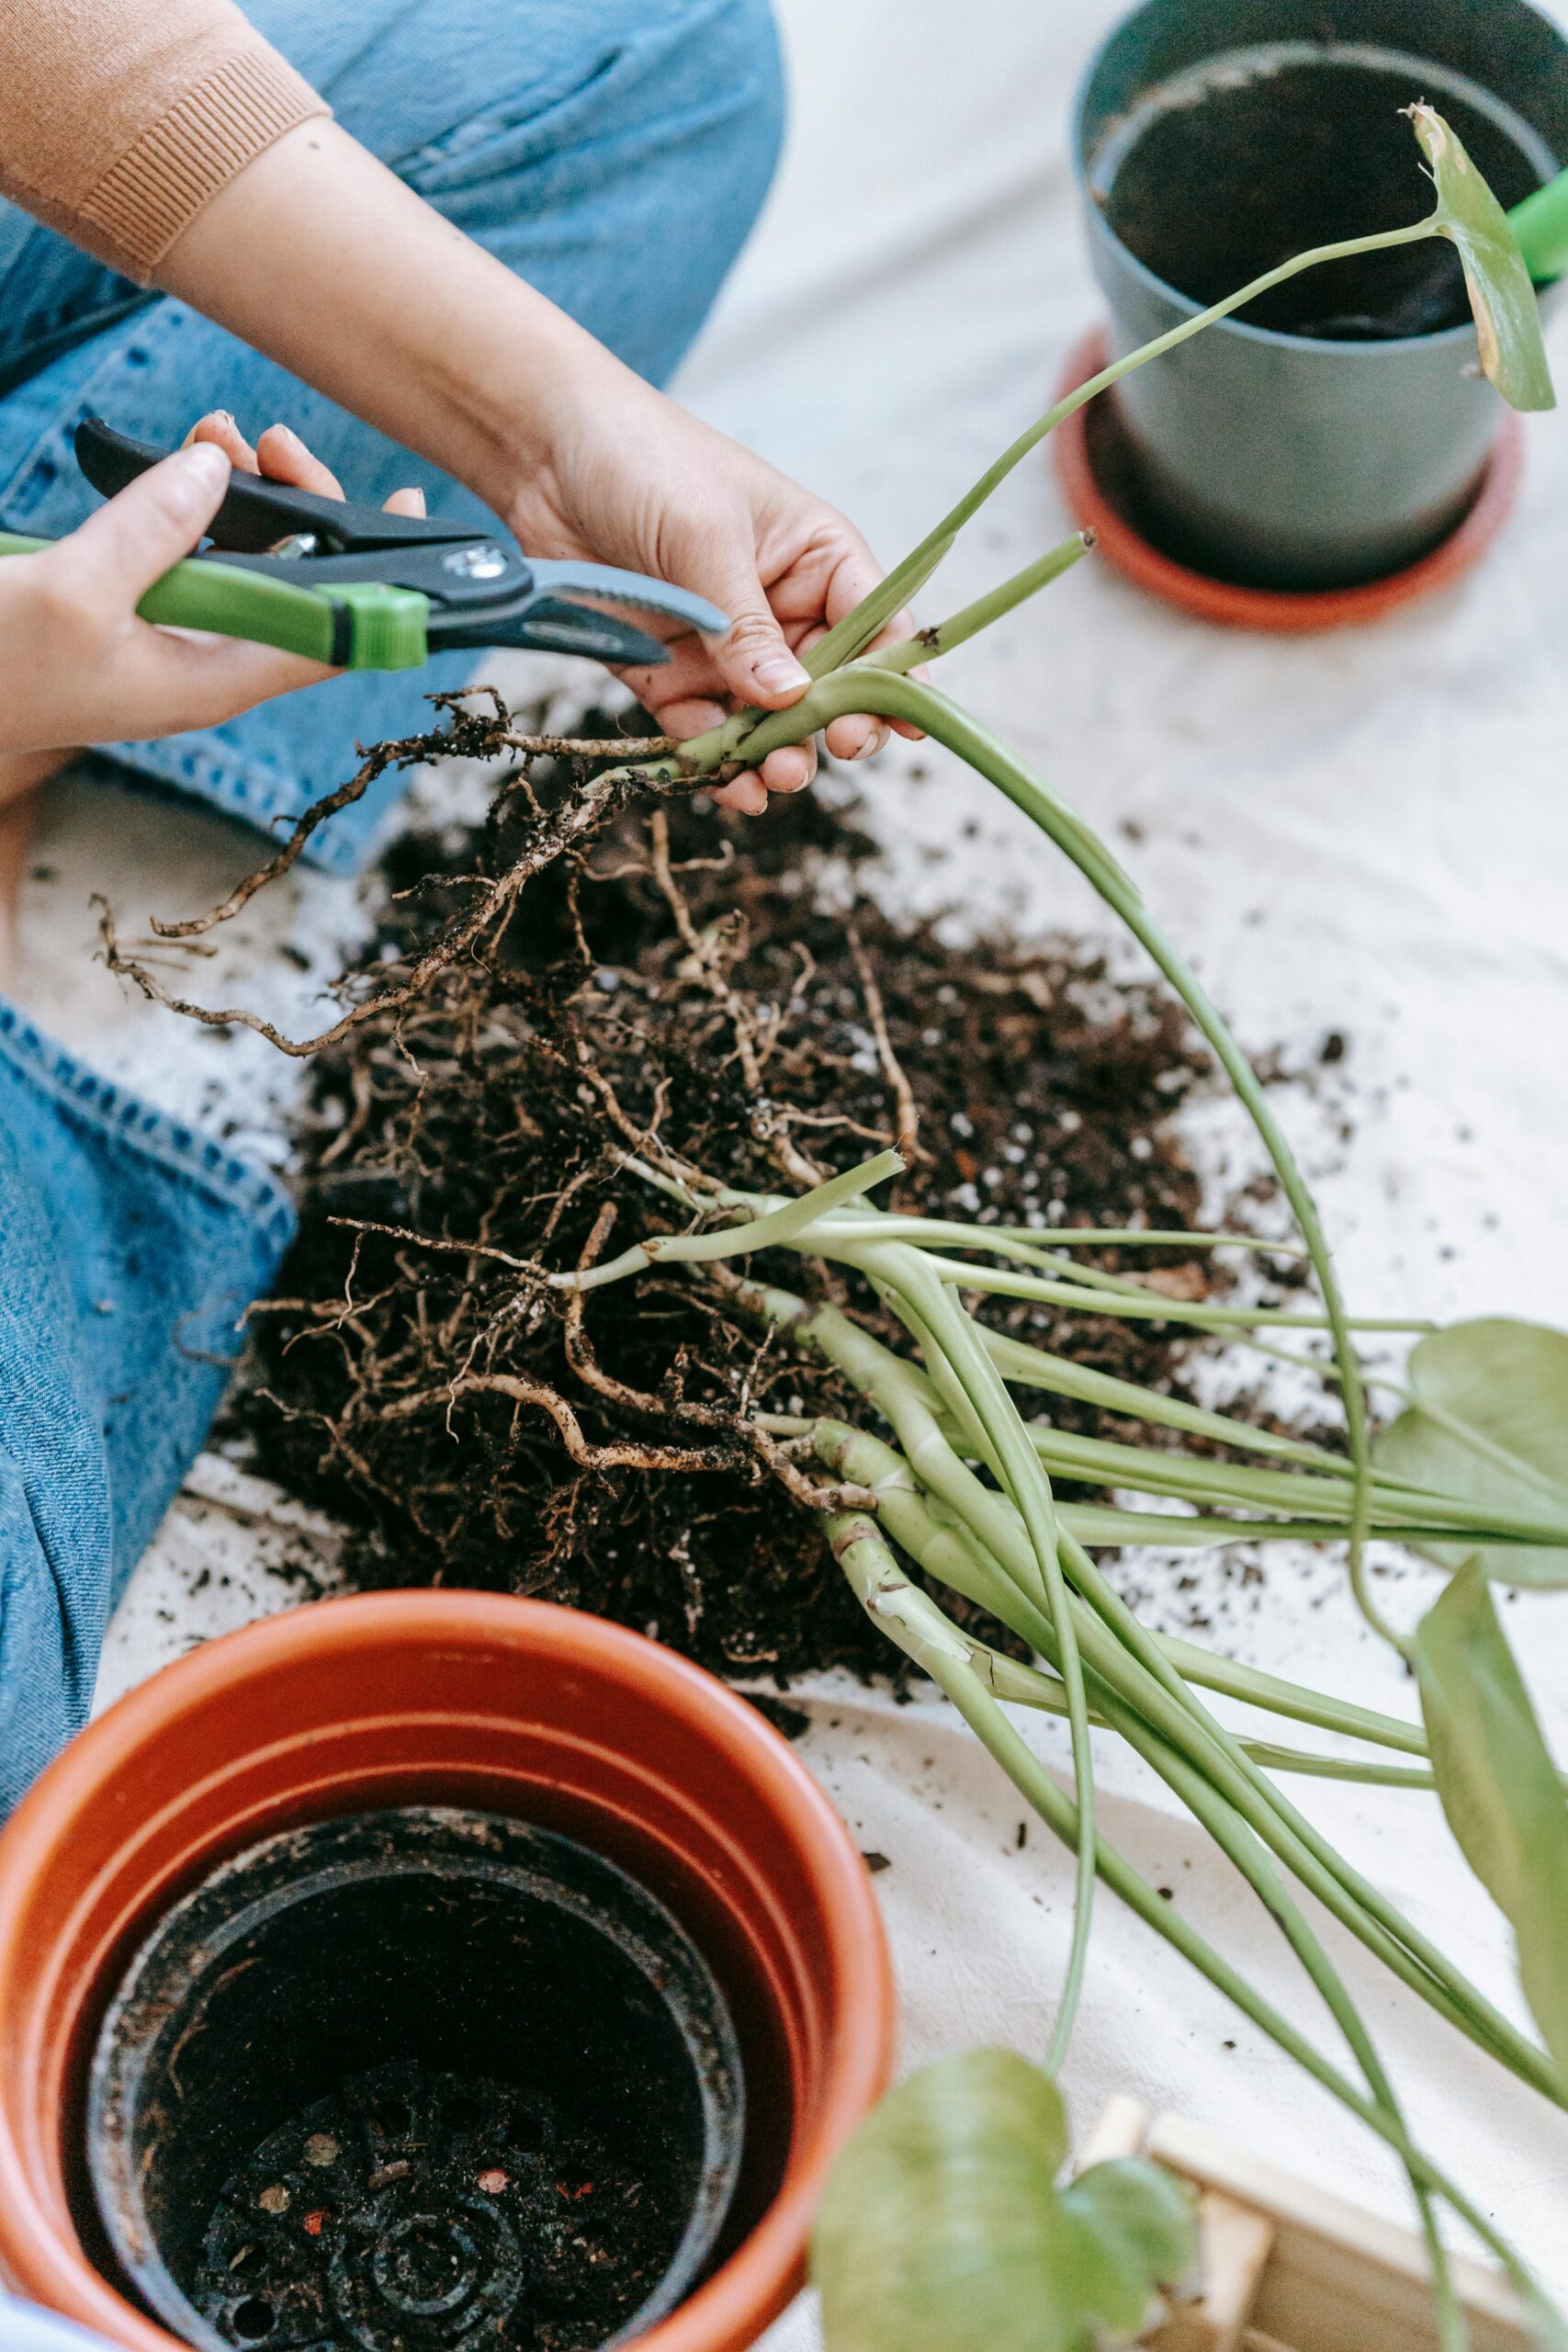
point(320, 257)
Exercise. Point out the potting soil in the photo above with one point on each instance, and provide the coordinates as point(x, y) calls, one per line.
point(734, 992)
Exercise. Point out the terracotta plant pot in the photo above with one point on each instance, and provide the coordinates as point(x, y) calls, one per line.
point(502, 1706)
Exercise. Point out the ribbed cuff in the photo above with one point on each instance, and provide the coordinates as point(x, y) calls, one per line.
point(157, 189)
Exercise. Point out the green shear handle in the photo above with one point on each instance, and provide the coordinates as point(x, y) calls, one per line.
point(358, 625)
point(359, 589)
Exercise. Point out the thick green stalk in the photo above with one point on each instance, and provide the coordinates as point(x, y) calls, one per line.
point(1047, 1242)
point(1181, 1476)
point(994, 606)
point(1239, 1842)
point(885, 695)
point(864, 1362)
point(944, 1652)
point(1131, 1664)
point(1031, 1686)
point(846, 640)
point(1102, 1524)
point(1128, 1662)
point(1087, 1298)
point(851, 636)
point(904, 1271)
point(1230, 1680)
point(945, 1554)
point(1095, 1281)
point(1353, 1898)
point(1024, 1366)
point(772, 1230)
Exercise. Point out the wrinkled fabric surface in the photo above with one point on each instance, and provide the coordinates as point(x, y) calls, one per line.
point(1363, 835)
point(25, 2328)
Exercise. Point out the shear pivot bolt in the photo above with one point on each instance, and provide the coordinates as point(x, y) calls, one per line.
point(479, 562)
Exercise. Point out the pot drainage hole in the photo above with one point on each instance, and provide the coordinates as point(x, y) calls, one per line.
point(418, 2081)
point(424, 2212)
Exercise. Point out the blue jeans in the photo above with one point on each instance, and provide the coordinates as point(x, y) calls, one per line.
point(613, 153)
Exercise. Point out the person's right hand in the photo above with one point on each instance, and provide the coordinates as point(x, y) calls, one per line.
point(281, 456)
point(78, 666)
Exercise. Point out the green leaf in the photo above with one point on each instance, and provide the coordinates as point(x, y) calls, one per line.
point(1507, 318)
point(1133, 2228)
point(1490, 1424)
point(942, 2229)
point(1499, 1787)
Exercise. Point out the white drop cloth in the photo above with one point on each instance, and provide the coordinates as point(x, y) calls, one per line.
point(1364, 833)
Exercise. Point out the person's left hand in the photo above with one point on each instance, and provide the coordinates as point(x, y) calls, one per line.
point(629, 478)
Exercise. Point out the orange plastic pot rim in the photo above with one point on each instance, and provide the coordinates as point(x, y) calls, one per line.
point(40, 2248)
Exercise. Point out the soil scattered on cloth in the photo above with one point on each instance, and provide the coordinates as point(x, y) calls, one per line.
point(736, 990)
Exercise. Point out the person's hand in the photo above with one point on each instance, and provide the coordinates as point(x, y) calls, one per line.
point(319, 256)
point(630, 479)
point(77, 666)
point(281, 456)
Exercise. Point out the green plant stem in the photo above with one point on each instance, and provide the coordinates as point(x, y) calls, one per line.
point(1248, 1854)
point(1024, 1685)
point(1129, 1663)
point(1030, 1685)
point(1025, 1366)
point(905, 1271)
point(1136, 1237)
point(1094, 1281)
point(1097, 1524)
point(1047, 1241)
point(863, 1360)
point(850, 636)
point(1249, 1685)
point(1088, 1298)
point(1103, 1461)
point(903, 580)
point(907, 1617)
point(1343, 1890)
point(772, 1230)
point(886, 696)
point(926, 644)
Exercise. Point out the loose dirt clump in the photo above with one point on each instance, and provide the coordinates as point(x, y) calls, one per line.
point(734, 992)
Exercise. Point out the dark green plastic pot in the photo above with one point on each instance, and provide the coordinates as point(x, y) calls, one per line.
point(1289, 460)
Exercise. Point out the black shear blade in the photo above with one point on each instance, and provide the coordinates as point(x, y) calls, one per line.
point(255, 514)
point(554, 626)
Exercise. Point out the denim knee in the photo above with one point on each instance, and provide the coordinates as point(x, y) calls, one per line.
point(617, 157)
point(728, 50)
point(736, 44)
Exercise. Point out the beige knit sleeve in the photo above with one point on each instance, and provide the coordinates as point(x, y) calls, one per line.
point(120, 119)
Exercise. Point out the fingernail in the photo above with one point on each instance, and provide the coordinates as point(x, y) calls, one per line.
point(779, 672)
point(289, 434)
point(205, 464)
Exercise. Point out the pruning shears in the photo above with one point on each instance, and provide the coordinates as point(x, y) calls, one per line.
point(364, 590)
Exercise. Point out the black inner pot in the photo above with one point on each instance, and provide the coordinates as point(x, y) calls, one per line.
point(1231, 167)
point(415, 2081)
